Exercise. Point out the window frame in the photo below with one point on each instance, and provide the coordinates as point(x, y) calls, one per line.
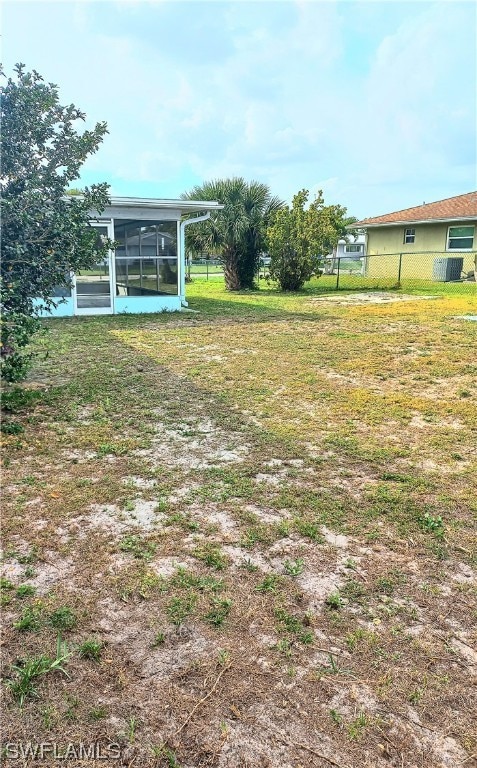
point(126, 260)
point(409, 232)
point(460, 237)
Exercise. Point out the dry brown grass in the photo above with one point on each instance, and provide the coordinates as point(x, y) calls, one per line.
point(265, 514)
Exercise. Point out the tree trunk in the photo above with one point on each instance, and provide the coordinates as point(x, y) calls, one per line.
point(231, 271)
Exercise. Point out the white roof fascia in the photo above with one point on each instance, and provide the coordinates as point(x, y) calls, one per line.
point(187, 206)
point(149, 202)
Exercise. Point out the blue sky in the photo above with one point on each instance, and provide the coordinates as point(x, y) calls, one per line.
point(373, 102)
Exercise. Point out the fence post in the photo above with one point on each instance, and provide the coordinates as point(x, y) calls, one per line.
point(399, 269)
point(207, 266)
point(338, 274)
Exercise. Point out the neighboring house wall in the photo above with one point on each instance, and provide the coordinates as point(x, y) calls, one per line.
point(355, 249)
point(388, 241)
point(352, 251)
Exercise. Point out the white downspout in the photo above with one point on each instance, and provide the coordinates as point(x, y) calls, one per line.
point(183, 252)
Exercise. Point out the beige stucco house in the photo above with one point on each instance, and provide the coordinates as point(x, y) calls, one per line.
point(427, 236)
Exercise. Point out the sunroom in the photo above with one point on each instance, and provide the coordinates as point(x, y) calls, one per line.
point(146, 271)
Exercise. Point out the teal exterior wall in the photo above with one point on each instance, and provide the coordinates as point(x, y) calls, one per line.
point(138, 304)
point(65, 309)
point(121, 305)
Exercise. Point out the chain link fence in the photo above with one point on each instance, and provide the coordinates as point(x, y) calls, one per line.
point(205, 269)
point(438, 271)
point(429, 270)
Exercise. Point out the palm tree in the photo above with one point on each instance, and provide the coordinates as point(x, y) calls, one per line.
point(235, 234)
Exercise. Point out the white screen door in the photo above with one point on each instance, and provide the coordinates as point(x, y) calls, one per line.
point(94, 287)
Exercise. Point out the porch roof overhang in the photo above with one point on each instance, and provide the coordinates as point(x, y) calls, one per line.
point(125, 207)
point(156, 209)
point(185, 206)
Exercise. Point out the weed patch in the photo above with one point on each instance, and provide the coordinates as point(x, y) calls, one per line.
point(219, 610)
point(91, 649)
point(138, 547)
point(25, 674)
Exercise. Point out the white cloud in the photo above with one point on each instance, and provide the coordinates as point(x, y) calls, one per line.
point(417, 109)
point(288, 92)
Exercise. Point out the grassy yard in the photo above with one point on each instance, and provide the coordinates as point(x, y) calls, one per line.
point(245, 536)
point(203, 269)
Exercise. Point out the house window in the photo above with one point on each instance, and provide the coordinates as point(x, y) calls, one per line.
point(460, 238)
point(353, 248)
point(409, 236)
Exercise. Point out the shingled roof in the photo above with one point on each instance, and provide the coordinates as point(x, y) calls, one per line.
point(451, 209)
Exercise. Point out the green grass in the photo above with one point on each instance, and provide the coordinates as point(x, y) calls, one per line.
point(312, 464)
point(219, 610)
point(200, 271)
point(294, 568)
point(269, 584)
point(211, 555)
point(334, 601)
point(179, 608)
point(30, 620)
point(138, 547)
point(63, 619)
point(294, 626)
point(186, 579)
point(25, 590)
point(26, 672)
point(210, 295)
point(91, 649)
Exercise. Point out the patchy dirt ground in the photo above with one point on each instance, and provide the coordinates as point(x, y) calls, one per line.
point(374, 297)
point(254, 529)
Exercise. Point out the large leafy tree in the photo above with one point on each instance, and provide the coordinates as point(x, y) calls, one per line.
point(45, 232)
point(298, 235)
point(235, 234)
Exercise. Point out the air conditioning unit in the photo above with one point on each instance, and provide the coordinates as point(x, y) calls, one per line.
point(448, 269)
